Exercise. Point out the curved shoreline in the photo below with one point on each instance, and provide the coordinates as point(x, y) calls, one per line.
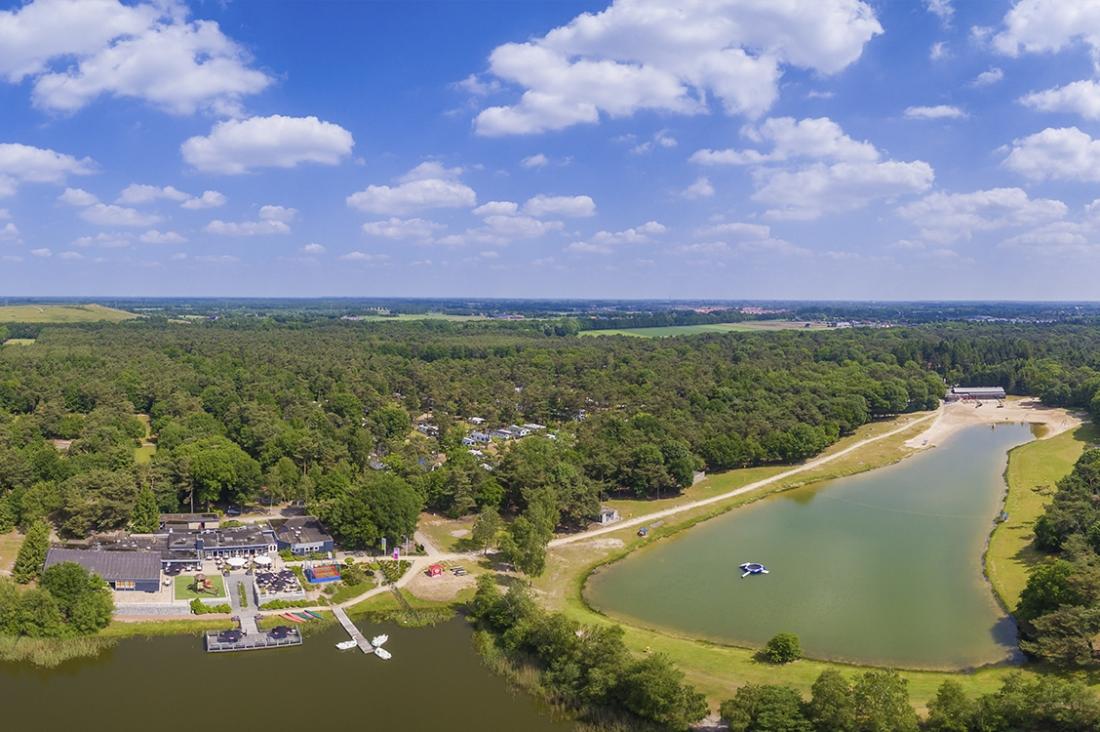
point(1054, 421)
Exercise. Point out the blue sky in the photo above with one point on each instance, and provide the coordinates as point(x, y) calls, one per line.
point(720, 149)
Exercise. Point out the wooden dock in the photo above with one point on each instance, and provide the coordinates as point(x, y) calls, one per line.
point(354, 632)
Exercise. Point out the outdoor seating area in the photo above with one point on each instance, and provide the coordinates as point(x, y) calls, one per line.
point(281, 585)
point(250, 564)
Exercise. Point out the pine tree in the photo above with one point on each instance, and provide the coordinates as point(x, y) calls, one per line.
point(32, 555)
point(146, 516)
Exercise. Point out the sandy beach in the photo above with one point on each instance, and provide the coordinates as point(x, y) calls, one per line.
point(959, 415)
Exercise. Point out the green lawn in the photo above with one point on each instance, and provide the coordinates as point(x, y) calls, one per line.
point(184, 591)
point(144, 454)
point(61, 314)
point(9, 547)
point(682, 330)
point(1033, 470)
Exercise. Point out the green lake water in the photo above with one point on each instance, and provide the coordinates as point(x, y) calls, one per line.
point(883, 567)
point(435, 681)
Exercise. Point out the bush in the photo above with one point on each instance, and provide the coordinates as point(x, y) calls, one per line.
point(199, 608)
point(783, 648)
point(286, 604)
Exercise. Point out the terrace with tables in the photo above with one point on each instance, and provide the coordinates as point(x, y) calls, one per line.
point(278, 585)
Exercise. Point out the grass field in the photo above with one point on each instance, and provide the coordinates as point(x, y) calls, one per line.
point(184, 591)
point(9, 547)
point(682, 330)
point(62, 314)
point(19, 342)
point(716, 669)
point(1033, 470)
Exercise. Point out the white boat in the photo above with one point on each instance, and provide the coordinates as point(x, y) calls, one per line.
point(379, 640)
point(383, 654)
point(345, 645)
point(752, 568)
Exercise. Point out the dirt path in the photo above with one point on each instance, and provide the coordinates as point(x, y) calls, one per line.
point(649, 518)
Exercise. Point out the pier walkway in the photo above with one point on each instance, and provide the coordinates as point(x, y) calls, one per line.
point(354, 632)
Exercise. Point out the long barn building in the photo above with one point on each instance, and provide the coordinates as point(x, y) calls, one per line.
point(975, 393)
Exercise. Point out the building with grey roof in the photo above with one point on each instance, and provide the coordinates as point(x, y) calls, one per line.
point(122, 570)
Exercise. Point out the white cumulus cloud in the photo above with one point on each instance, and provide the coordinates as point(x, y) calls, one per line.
point(208, 199)
point(820, 138)
point(27, 164)
point(105, 214)
point(76, 50)
point(945, 217)
point(988, 77)
point(810, 192)
point(427, 186)
point(272, 220)
point(136, 193)
point(939, 111)
point(396, 228)
point(1043, 26)
point(1080, 97)
point(538, 160)
point(568, 206)
point(239, 146)
point(1064, 153)
point(655, 55)
point(154, 236)
point(701, 188)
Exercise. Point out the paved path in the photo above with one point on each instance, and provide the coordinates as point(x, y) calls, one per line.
point(810, 465)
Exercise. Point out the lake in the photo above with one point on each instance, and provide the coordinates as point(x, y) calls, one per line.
point(435, 681)
point(883, 567)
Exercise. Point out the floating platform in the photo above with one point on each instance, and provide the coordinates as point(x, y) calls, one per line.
point(752, 568)
point(234, 640)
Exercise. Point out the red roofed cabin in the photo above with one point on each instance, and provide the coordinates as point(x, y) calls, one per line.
point(435, 570)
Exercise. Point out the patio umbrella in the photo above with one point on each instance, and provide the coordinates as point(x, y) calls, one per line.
point(236, 561)
point(262, 560)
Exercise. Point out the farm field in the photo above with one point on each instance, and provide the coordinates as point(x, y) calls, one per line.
point(19, 342)
point(682, 330)
point(62, 314)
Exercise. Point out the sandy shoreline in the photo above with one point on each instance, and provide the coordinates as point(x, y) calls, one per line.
point(960, 415)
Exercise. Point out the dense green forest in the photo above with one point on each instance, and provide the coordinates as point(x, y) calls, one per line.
point(252, 409)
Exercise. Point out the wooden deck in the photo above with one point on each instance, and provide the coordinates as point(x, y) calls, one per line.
point(255, 642)
point(354, 632)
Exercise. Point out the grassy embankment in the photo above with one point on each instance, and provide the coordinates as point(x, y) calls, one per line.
point(58, 313)
point(1033, 470)
point(748, 326)
point(716, 669)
